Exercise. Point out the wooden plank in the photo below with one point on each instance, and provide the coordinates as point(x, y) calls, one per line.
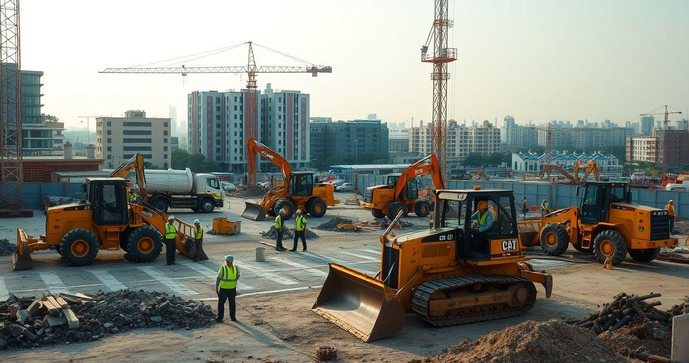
point(85, 297)
point(72, 320)
point(62, 302)
point(52, 309)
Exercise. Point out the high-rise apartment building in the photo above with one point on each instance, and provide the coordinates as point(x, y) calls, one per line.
point(352, 142)
point(461, 140)
point(217, 126)
point(515, 136)
point(120, 138)
point(647, 123)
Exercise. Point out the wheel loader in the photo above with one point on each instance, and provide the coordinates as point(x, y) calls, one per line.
point(104, 219)
point(298, 190)
point(606, 224)
point(448, 275)
point(402, 191)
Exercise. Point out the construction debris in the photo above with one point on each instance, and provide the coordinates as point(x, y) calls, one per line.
point(531, 341)
point(27, 323)
point(7, 248)
point(272, 233)
point(325, 354)
point(331, 225)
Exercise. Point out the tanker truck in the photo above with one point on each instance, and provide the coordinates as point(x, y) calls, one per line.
point(183, 189)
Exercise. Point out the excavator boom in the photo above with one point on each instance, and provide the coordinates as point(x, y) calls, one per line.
point(254, 211)
point(136, 163)
point(427, 165)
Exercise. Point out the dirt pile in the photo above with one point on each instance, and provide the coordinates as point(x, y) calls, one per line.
point(531, 341)
point(28, 323)
point(248, 192)
point(272, 233)
point(331, 225)
point(7, 248)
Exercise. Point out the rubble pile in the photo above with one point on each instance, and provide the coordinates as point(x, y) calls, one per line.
point(531, 341)
point(248, 192)
point(28, 323)
point(7, 248)
point(272, 233)
point(331, 225)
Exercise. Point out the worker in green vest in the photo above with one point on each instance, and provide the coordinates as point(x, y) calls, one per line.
point(483, 217)
point(132, 196)
point(279, 226)
point(299, 231)
point(170, 237)
point(226, 288)
point(198, 238)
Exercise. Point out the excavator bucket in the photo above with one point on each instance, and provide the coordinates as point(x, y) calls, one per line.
point(254, 212)
point(21, 260)
point(359, 304)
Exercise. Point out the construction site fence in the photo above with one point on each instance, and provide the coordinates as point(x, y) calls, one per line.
point(557, 195)
point(34, 193)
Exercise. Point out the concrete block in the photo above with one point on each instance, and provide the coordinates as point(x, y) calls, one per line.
point(680, 337)
point(54, 320)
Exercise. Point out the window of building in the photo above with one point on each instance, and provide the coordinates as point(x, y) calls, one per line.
point(165, 132)
point(109, 132)
point(165, 165)
point(136, 148)
point(109, 148)
point(164, 148)
point(136, 124)
point(136, 132)
point(109, 140)
point(164, 124)
point(165, 141)
point(109, 123)
point(128, 140)
point(165, 156)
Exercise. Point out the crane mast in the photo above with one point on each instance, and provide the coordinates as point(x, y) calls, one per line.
point(663, 138)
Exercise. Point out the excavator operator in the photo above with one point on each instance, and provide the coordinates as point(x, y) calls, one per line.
point(482, 221)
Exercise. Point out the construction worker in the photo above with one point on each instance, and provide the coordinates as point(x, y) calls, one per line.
point(670, 208)
point(483, 217)
point(544, 208)
point(132, 196)
point(525, 207)
point(279, 226)
point(226, 288)
point(299, 231)
point(170, 235)
point(198, 238)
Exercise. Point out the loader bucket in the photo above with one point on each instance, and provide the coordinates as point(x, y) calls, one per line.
point(359, 304)
point(254, 212)
point(188, 248)
point(21, 260)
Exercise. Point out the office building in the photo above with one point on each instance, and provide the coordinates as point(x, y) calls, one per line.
point(120, 138)
point(348, 142)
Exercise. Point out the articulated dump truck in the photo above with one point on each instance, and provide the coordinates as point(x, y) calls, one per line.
point(457, 272)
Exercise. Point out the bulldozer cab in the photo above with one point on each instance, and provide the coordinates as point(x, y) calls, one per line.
point(597, 197)
point(108, 199)
point(459, 209)
point(301, 184)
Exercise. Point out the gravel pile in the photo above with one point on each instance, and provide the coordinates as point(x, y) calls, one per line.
point(331, 225)
point(531, 341)
point(272, 233)
point(249, 192)
point(7, 248)
point(108, 313)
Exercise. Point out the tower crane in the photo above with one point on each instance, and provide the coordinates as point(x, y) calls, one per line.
point(251, 69)
point(666, 122)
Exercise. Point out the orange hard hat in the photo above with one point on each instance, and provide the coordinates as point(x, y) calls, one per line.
point(482, 205)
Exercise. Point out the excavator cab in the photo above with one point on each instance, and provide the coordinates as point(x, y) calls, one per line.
point(597, 198)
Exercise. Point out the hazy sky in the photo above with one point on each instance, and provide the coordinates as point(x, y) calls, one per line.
point(535, 60)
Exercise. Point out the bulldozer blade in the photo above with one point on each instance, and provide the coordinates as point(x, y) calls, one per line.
point(21, 260)
point(359, 304)
point(254, 212)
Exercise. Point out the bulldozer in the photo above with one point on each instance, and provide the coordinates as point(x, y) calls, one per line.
point(104, 219)
point(450, 274)
point(298, 190)
point(606, 224)
point(401, 193)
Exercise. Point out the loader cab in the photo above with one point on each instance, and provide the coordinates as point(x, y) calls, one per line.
point(108, 199)
point(597, 197)
point(411, 189)
point(301, 184)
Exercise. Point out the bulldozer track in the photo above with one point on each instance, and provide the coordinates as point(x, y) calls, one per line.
point(423, 293)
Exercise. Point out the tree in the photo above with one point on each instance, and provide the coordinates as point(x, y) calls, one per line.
point(197, 163)
point(50, 118)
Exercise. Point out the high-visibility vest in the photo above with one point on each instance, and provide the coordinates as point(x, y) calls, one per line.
point(300, 222)
point(170, 231)
point(278, 222)
point(228, 277)
point(132, 197)
point(544, 207)
point(198, 233)
point(482, 218)
point(670, 209)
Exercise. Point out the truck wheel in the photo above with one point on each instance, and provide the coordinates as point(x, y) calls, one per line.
point(207, 205)
point(144, 244)
point(422, 208)
point(554, 239)
point(377, 213)
point(582, 249)
point(395, 208)
point(645, 255)
point(79, 247)
point(317, 208)
point(610, 243)
point(161, 204)
point(287, 206)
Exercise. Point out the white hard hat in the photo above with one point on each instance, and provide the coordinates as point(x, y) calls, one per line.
point(170, 217)
point(298, 211)
point(282, 211)
point(196, 221)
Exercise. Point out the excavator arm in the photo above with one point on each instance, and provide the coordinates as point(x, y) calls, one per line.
point(257, 212)
point(552, 167)
point(254, 147)
point(427, 165)
point(136, 163)
point(591, 167)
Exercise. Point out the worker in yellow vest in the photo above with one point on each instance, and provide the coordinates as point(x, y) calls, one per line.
point(280, 226)
point(226, 288)
point(670, 208)
point(170, 237)
point(198, 238)
point(132, 196)
point(299, 231)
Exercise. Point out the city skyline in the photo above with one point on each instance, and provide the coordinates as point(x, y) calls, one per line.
point(537, 60)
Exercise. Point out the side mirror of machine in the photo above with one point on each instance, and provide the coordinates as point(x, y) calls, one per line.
point(576, 191)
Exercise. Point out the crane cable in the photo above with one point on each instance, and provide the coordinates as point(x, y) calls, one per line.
point(200, 54)
point(286, 55)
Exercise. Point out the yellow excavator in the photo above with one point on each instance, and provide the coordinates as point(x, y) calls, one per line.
point(454, 273)
point(104, 219)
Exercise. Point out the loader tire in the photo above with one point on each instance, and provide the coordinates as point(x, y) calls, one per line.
point(554, 239)
point(422, 208)
point(395, 208)
point(287, 206)
point(144, 244)
point(644, 255)
point(610, 243)
point(317, 208)
point(377, 213)
point(79, 247)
